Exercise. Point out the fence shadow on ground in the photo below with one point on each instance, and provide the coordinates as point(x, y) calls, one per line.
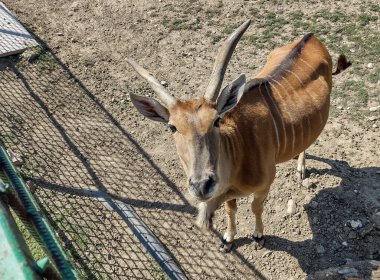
point(334, 241)
point(76, 156)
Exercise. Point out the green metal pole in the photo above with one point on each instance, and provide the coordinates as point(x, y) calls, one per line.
point(38, 219)
point(16, 261)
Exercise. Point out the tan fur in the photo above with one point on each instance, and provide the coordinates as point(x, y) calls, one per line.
point(247, 136)
point(282, 112)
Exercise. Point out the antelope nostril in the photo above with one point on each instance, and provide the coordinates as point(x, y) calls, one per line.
point(201, 188)
point(209, 184)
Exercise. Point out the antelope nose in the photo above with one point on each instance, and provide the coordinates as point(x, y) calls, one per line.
point(201, 188)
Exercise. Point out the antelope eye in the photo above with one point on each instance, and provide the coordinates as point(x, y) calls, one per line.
point(172, 128)
point(217, 122)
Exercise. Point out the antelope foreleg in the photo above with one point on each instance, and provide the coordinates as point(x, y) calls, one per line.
point(205, 213)
point(206, 210)
point(230, 232)
point(257, 209)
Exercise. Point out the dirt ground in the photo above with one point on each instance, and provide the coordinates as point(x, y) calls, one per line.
point(105, 144)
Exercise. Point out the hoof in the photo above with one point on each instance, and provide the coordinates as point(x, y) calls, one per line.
point(226, 247)
point(258, 242)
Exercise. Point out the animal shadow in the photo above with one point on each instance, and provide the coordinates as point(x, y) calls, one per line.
point(336, 241)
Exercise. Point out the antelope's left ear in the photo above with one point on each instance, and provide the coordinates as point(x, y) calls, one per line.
point(230, 95)
point(150, 108)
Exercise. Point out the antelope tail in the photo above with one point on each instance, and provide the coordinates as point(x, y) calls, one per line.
point(342, 64)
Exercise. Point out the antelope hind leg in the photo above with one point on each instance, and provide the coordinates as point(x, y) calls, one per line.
point(301, 171)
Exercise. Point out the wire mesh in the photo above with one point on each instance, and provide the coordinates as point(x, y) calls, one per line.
point(76, 154)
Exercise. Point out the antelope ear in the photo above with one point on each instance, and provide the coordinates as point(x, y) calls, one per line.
point(150, 108)
point(231, 95)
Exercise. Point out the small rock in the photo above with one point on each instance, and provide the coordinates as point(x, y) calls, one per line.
point(291, 207)
point(307, 200)
point(3, 187)
point(352, 50)
point(164, 83)
point(74, 6)
point(376, 220)
point(352, 235)
point(314, 204)
point(32, 186)
point(374, 109)
point(366, 230)
point(356, 224)
point(268, 253)
point(60, 34)
point(348, 261)
point(320, 249)
point(16, 159)
point(372, 118)
point(307, 183)
point(347, 270)
point(30, 55)
point(339, 107)
point(374, 263)
point(344, 243)
point(374, 125)
point(370, 65)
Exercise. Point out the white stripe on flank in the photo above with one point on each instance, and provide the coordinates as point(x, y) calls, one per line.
point(273, 120)
point(291, 117)
point(279, 114)
point(282, 119)
point(313, 99)
point(300, 97)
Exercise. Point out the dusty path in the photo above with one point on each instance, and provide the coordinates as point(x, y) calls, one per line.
point(82, 133)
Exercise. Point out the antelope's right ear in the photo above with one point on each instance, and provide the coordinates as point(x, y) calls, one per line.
point(230, 95)
point(150, 108)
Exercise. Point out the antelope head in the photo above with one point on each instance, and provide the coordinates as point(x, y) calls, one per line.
point(195, 124)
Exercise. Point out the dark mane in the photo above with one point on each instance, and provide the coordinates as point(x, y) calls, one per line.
point(285, 64)
point(289, 59)
point(256, 82)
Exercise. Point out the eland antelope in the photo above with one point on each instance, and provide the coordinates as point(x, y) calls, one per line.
point(230, 141)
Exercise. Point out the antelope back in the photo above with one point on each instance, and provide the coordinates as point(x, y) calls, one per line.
point(295, 85)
